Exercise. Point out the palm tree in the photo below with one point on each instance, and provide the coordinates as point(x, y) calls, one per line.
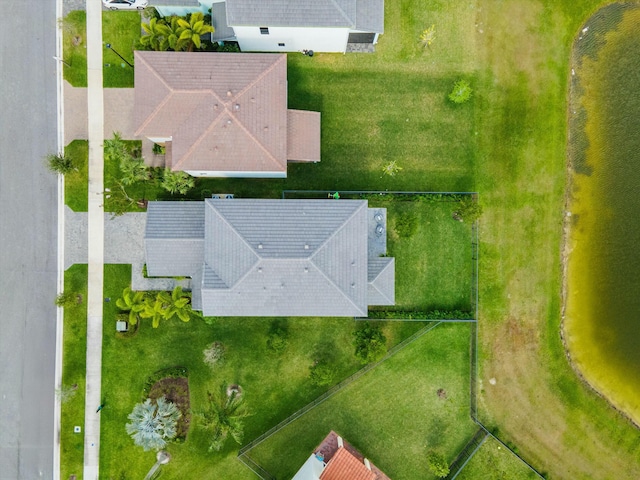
point(154, 37)
point(224, 417)
point(156, 308)
point(59, 163)
point(180, 306)
point(193, 29)
point(132, 302)
point(153, 424)
point(172, 31)
point(177, 182)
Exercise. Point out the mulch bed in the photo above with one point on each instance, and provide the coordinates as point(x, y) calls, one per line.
point(175, 390)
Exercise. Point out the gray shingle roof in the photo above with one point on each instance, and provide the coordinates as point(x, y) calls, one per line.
point(219, 21)
point(354, 14)
point(271, 257)
point(381, 277)
point(174, 238)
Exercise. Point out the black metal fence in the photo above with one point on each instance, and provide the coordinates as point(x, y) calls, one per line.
point(467, 452)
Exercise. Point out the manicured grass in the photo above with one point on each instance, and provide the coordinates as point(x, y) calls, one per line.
point(76, 184)
point(274, 386)
point(433, 266)
point(494, 462)
point(73, 373)
point(74, 48)
point(122, 31)
point(393, 414)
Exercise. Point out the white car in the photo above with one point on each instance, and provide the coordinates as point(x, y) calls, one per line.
point(125, 4)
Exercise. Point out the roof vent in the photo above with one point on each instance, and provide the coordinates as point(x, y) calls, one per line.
point(353, 263)
point(306, 246)
point(215, 106)
point(260, 245)
point(353, 284)
point(236, 106)
point(229, 93)
point(306, 269)
point(266, 129)
point(229, 122)
point(259, 269)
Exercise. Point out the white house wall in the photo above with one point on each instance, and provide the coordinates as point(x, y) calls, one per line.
point(293, 38)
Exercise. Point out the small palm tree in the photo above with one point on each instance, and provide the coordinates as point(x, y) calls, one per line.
point(154, 36)
point(180, 305)
point(428, 36)
point(172, 31)
point(224, 417)
point(177, 182)
point(153, 424)
point(133, 170)
point(156, 308)
point(132, 302)
point(193, 29)
point(59, 163)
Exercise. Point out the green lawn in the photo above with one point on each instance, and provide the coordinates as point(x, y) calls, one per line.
point(73, 373)
point(494, 462)
point(274, 386)
point(120, 29)
point(393, 414)
point(76, 184)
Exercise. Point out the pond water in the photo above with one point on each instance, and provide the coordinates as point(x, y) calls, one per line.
point(602, 315)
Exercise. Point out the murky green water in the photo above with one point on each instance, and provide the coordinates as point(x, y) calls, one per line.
point(603, 285)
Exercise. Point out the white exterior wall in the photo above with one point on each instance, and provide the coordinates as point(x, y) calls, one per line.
point(294, 39)
point(232, 174)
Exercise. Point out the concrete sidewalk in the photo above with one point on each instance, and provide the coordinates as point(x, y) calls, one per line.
point(95, 234)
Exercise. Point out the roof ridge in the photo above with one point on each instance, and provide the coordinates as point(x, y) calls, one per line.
point(234, 230)
point(373, 284)
point(161, 104)
point(190, 150)
point(344, 14)
point(282, 57)
point(337, 230)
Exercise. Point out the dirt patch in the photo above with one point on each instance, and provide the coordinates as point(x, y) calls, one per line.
point(175, 390)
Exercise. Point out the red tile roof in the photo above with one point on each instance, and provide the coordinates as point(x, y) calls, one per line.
point(224, 111)
point(345, 466)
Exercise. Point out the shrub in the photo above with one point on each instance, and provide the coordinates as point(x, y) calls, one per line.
point(461, 92)
point(67, 299)
point(321, 374)
point(370, 343)
point(153, 424)
point(214, 354)
point(406, 224)
point(60, 164)
point(277, 340)
point(437, 464)
point(467, 210)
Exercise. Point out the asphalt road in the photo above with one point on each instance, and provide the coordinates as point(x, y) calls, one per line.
point(28, 236)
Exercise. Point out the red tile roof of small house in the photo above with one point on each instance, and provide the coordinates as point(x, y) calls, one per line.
point(344, 466)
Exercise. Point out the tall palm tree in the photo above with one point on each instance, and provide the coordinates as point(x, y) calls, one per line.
point(224, 417)
point(193, 29)
point(132, 302)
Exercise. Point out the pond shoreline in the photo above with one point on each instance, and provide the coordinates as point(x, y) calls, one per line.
point(566, 247)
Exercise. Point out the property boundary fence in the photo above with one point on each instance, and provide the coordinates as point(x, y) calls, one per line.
point(335, 389)
point(467, 453)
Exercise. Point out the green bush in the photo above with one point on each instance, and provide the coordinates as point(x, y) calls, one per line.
point(418, 315)
point(321, 374)
point(437, 464)
point(277, 340)
point(406, 224)
point(370, 343)
point(461, 92)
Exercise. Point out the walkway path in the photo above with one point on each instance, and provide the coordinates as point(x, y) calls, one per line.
point(95, 230)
